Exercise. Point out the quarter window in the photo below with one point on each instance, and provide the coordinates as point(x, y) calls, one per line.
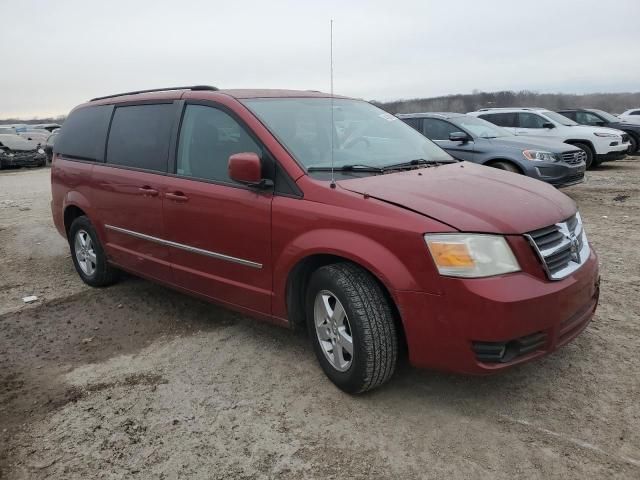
point(84, 133)
point(139, 136)
point(208, 138)
point(437, 129)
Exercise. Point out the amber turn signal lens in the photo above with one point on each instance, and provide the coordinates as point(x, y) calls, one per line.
point(451, 254)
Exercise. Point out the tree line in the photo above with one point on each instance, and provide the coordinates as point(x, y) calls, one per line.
point(462, 103)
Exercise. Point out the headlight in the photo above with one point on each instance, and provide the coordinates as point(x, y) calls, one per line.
point(471, 255)
point(40, 151)
point(539, 155)
point(603, 134)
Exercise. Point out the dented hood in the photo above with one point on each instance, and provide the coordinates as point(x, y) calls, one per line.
point(470, 197)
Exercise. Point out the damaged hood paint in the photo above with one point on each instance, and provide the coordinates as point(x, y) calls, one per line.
point(470, 197)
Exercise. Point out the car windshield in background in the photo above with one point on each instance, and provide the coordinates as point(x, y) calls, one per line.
point(480, 128)
point(561, 119)
point(363, 135)
point(606, 116)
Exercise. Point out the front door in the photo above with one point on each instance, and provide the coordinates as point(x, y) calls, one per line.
point(439, 130)
point(220, 231)
point(532, 124)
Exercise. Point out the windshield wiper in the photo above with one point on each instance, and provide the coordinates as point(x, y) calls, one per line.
point(347, 168)
point(414, 163)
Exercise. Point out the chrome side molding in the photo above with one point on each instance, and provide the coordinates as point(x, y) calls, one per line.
point(187, 248)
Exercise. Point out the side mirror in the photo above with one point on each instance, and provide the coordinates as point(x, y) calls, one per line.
point(548, 125)
point(246, 168)
point(458, 137)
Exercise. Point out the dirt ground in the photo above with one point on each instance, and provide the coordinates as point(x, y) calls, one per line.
point(137, 381)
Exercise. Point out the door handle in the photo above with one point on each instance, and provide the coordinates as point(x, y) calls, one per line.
point(177, 196)
point(148, 191)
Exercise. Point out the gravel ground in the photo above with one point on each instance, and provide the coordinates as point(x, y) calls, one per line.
point(138, 381)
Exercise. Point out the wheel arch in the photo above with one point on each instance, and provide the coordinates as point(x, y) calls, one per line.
point(588, 143)
point(493, 160)
point(298, 280)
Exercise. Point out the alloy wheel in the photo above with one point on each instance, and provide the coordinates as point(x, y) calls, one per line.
point(85, 253)
point(333, 330)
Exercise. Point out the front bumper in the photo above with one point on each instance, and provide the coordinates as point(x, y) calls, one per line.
point(444, 331)
point(614, 155)
point(23, 159)
point(559, 174)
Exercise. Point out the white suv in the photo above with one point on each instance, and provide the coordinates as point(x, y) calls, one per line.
point(600, 144)
point(631, 116)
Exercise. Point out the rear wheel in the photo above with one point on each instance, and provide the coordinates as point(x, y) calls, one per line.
point(589, 161)
point(88, 255)
point(507, 166)
point(352, 327)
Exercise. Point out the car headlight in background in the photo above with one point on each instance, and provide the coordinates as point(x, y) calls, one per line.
point(539, 155)
point(40, 151)
point(471, 255)
point(604, 134)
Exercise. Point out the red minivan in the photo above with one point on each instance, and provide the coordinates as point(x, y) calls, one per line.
point(304, 208)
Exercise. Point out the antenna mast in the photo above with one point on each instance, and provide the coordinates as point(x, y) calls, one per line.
point(331, 131)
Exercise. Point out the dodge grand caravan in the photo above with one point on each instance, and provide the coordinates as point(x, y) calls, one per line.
point(306, 209)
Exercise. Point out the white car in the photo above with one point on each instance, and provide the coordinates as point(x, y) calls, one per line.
point(631, 116)
point(600, 144)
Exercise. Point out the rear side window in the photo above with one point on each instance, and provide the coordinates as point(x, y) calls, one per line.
point(208, 137)
point(84, 133)
point(635, 112)
point(500, 119)
point(413, 122)
point(139, 136)
point(436, 129)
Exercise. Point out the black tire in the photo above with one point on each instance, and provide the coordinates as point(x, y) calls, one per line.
point(370, 318)
point(507, 166)
point(633, 144)
point(104, 274)
point(590, 160)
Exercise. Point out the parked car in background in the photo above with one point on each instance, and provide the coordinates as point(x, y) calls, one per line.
point(48, 146)
point(600, 144)
point(50, 127)
point(600, 118)
point(39, 136)
point(631, 116)
point(473, 139)
point(16, 151)
point(372, 236)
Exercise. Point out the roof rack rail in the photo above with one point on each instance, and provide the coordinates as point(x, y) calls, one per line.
point(193, 87)
point(509, 108)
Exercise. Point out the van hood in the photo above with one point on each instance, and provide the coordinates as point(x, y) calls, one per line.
point(470, 197)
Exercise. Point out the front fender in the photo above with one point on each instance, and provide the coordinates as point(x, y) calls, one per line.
point(360, 249)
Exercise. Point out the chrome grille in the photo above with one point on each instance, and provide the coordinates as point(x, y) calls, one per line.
point(573, 157)
point(562, 248)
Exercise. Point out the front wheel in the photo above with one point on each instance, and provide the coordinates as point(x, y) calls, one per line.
point(506, 166)
point(589, 161)
point(633, 145)
point(352, 327)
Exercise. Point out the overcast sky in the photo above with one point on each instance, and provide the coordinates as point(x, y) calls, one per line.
point(56, 54)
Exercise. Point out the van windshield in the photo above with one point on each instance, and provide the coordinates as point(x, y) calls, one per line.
point(363, 135)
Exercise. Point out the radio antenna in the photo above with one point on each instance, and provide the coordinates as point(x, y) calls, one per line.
point(331, 131)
